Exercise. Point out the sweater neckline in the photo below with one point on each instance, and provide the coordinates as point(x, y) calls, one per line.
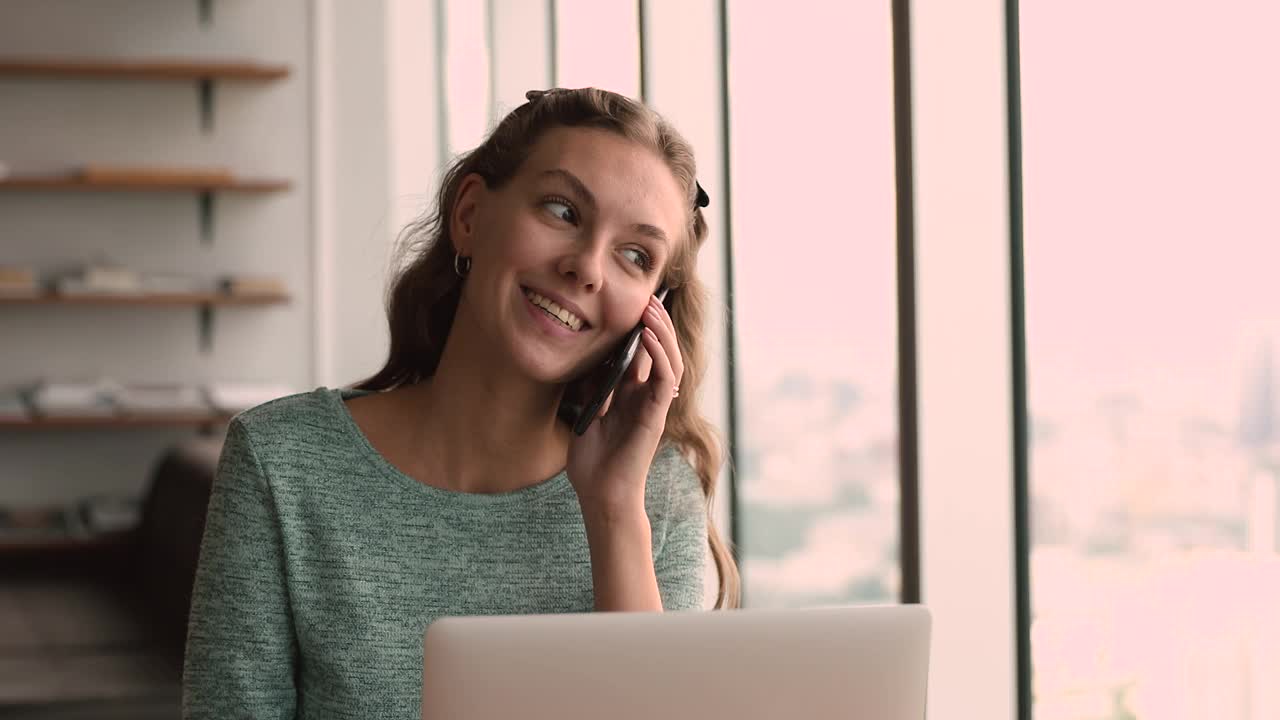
point(336, 398)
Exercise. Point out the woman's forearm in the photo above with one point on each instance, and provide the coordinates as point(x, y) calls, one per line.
point(622, 574)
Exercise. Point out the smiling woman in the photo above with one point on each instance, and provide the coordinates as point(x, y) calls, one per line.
point(343, 522)
point(526, 236)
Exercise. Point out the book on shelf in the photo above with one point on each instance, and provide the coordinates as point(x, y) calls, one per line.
point(230, 398)
point(83, 519)
point(36, 525)
point(161, 399)
point(108, 514)
point(100, 280)
point(109, 398)
point(93, 398)
point(116, 281)
point(18, 281)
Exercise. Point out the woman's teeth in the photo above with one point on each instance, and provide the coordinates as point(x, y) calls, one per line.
point(569, 319)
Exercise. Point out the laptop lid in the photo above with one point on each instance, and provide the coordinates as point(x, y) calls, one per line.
point(860, 662)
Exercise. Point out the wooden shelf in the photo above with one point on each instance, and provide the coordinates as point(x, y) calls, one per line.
point(75, 183)
point(166, 69)
point(154, 299)
point(204, 303)
point(115, 421)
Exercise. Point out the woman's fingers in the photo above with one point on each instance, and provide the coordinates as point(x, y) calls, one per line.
point(658, 363)
point(658, 320)
point(662, 377)
point(640, 365)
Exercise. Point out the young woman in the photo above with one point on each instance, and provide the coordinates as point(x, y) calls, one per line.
point(343, 522)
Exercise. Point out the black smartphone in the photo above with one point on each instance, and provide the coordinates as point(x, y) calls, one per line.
point(584, 397)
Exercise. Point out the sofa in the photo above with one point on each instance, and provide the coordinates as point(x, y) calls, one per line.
point(97, 629)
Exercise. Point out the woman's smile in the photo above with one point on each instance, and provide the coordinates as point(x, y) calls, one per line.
point(550, 316)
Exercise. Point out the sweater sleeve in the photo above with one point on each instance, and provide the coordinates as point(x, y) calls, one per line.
point(241, 648)
point(680, 562)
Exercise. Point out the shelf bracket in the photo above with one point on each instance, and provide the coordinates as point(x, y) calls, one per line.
point(205, 319)
point(206, 216)
point(206, 12)
point(205, 86)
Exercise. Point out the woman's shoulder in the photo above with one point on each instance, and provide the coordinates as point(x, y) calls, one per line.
point(672, 478)
point(289, 408)
point(670, 465)
point(309, 418)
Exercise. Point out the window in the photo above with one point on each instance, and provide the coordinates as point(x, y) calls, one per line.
point(1153, 320)
point(467, 78)
point(812, 171)
point(598, 45)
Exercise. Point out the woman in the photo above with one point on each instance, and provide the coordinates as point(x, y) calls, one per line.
point(343, 522)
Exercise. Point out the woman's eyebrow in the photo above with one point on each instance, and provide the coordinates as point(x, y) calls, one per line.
point(652, 232)
point(581, 190)
point(578, 186)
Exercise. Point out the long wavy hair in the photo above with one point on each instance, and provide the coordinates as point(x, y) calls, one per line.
point(424, 295)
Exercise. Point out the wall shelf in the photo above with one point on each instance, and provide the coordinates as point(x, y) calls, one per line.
point(166, 69)
point(205, 187)
point(204, 73)
point(58, 547)
point(110, 132)
point(204, 303)
point(153, 299)
point(73, 182)
point(114, 421)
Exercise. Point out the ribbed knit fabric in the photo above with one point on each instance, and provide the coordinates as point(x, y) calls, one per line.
point(322, 565)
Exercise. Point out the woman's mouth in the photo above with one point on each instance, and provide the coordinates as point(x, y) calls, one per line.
point(554, 311)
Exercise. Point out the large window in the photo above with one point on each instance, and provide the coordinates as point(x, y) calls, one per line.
point(812, 171)
point(598, 45)
point(1153, 318)
point(466, 58)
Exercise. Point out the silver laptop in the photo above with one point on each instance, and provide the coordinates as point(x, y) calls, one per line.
point(867, 662)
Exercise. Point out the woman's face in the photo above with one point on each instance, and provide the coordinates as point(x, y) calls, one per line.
point(585, 230)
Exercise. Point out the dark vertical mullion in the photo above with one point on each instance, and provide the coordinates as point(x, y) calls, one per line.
point(553, 43)
point(1017, 322)
point(908, 444)
point(644, 74)
point(442, 82)
point(731, 384)
point(492, 55)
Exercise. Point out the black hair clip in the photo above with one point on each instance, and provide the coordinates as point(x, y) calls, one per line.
point(703, 199)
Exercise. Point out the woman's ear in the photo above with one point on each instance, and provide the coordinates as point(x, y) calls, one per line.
point(462, 221)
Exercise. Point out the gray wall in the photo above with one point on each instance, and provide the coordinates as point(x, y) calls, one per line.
point(354, 185)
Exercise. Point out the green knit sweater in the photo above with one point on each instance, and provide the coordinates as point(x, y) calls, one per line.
point(322, 565)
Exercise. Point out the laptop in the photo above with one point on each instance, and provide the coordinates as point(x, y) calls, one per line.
point(850, 662)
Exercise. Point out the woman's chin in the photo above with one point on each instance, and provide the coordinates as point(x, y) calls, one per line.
point(547, 373)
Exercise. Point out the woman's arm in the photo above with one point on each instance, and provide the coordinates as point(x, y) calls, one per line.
point(241, 647)
point(628, 571)
point(681, 559)
point(622, 570)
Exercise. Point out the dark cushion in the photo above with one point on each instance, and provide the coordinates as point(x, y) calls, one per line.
point(168, 540)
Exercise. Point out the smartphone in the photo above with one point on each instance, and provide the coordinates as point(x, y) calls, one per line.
point(584, 397)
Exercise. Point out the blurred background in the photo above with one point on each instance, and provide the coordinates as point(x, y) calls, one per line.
point(998, 329)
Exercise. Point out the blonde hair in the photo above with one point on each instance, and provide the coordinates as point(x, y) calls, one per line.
point(424, 296)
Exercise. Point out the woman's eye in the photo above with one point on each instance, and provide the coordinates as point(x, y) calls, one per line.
point(562, 210)
point(639, 257)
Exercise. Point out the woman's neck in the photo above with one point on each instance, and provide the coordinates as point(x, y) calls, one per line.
point(486, 429)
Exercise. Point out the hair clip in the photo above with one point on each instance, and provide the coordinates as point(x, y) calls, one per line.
point(703, 199)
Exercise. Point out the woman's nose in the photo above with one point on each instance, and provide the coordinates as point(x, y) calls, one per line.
point(585, 266)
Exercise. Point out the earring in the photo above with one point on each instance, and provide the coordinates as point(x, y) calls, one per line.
point(461, 265)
